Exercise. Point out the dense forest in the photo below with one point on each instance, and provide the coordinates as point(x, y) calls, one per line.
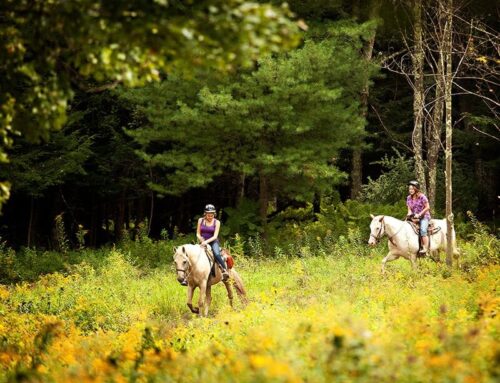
point(122, 121)
point(330, 115)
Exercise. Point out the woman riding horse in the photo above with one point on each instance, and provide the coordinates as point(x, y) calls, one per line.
point(207, 232)
point(418, 208)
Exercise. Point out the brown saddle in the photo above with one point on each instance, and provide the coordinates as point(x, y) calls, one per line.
point(432, 229)
point(226, 256)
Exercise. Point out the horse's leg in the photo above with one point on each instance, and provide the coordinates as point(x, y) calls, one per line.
point(190, 300)
point(389, 257)
point(228, 283)
point(203, 299)
point(208, 300)
point(240, 288)
point(413, 260)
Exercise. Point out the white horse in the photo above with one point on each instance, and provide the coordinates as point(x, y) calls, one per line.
point(194, 264)
point(403, 241)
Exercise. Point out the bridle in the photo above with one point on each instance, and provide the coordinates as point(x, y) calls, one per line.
point(381, 232)
point(186, 270)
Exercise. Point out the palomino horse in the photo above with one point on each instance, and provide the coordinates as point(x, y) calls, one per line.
point(193, 263)
point(403, 242)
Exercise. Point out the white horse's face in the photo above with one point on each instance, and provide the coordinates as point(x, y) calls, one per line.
point(181, 263)
point(377, 229)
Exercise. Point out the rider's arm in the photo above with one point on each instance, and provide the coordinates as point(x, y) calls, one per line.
point(198, 231)
point(426, 209)
point(216, 233)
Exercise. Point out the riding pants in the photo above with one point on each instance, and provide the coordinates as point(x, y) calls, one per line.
point(216, 249)
point(424, 224)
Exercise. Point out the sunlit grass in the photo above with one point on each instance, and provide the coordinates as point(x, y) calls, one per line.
point(312, 319)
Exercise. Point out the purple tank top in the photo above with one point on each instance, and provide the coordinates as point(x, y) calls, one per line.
point(207, 231)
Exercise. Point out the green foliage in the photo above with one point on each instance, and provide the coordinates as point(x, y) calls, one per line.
point(60, 234)
point(337, 227)
point(315, 319)
point(44, 57)
point(285, 122)
point(34, 169)
point(243, 219)
point(482, 248)
point(390, 187)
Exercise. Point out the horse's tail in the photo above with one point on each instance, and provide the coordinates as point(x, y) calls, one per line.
point(238, 283)
point(444, 231)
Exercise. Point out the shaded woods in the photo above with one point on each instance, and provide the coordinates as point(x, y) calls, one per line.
point(339, 116)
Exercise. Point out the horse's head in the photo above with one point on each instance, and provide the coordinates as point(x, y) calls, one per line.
point(182, 263)
point(377, 229)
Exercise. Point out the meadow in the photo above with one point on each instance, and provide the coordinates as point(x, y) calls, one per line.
point(321, 314)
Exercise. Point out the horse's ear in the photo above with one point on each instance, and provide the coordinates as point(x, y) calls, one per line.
point(371, 215)
point(183, 250)
point(381, 219)
point(174, 248)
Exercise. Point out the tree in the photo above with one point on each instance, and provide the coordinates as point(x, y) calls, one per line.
point(367, 53)
point(447, 8)
point(35, 169)
point(423, 63)
point(50, 48)
point(283, 123)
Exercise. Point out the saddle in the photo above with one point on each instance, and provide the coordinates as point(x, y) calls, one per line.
point(431, 230)
point(225, 256)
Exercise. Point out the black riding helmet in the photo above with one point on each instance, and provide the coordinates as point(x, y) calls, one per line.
point(210, 208)
point(415, 184)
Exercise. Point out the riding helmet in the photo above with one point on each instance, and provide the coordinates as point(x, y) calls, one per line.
point(414, 184)
point(210, 208)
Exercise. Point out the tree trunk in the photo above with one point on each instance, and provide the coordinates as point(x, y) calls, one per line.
point(418, 95)
point(434, 133)
point(263, 197)
point(356, 171)
point(357, 159)
point(120, 217)
point(448, 4)
point(240, 188)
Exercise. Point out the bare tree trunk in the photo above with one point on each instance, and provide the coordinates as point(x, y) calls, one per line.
point(418, 95)
point(448, 4)
point(241, 188)
point(434, 133)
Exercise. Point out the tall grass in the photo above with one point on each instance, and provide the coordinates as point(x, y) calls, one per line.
point(317, 313)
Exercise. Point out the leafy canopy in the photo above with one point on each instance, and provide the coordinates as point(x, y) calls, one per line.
point(50, 47)
point(286, 121)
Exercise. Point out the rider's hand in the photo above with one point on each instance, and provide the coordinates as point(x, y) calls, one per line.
point(203, 244)
point(417, 216)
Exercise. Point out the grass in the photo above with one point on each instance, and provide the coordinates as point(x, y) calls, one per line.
point(310, 319)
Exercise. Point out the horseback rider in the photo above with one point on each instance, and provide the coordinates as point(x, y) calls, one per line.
point(207, 232)
point(419, 209)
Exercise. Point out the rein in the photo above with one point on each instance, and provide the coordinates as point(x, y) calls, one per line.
point(380, 234)
point(187, 270)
